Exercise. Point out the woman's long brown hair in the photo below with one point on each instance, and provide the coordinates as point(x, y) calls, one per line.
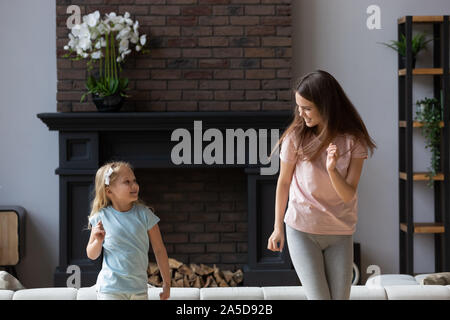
point(337, 111)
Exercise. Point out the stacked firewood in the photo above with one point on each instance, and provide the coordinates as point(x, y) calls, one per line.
point(195, 276)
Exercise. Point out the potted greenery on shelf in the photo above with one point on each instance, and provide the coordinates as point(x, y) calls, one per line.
point(107, 42)
point(429, 113)
point(419, 43)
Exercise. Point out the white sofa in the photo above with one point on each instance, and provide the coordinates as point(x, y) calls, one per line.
point(383, 287)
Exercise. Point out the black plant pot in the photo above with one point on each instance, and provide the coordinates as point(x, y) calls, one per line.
point(109, 103)
point(403, 62)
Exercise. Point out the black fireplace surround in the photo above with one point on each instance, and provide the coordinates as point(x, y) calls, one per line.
point(89, 139)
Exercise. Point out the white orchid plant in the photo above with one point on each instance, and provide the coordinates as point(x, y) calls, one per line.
point(106, 41)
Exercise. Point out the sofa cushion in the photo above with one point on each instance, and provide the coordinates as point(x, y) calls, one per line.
point(175, 293)
point(384, 280)
point(6, 294)
point(419, 278)
point(232, 293)
point(297, 293)
point(367, 293)
point(90, 293)
point(46, 294)
point(284, 293)
point(418, 292)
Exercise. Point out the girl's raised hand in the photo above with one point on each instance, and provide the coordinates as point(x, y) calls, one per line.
point(332, 156)
point(98, 231)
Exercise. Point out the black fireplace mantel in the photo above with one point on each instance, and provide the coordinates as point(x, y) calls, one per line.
point(89, 139)
point(160, 121)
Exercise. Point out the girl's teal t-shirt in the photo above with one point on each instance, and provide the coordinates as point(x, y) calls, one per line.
point(125, 249)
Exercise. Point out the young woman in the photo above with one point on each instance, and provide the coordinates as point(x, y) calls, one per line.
point(322, 154)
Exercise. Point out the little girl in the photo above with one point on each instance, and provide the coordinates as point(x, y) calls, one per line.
point(321, 186)
point(122, 224)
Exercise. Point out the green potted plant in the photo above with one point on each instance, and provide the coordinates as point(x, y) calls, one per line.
point(418, 42)
point(106, 41)
point(429, 113)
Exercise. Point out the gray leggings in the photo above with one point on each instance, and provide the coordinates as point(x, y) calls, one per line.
point(324, 263)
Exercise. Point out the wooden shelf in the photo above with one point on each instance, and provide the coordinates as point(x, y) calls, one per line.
point(421, 176)
point(425, 227)
point(422, 19)
point(422, 71)
point(436, 69)
point(417, 124)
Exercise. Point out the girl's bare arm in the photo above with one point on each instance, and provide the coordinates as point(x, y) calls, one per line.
point(95, 244)
point(160, 253)
point(94, 248)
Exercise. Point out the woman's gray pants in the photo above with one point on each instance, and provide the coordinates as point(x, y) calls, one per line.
point(324, 263)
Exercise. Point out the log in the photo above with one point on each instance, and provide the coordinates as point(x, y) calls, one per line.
point(174, 264)
point(205, 270)
point(186, 282)
point(195, 268)
point(194, 275)
point(152, 268)
point(178, 276)
point(198, 283)
point(185, 270)
point(210, 282)
point(218, 275)
point(228, 275)
point(238, 276)
point(155, 280)
point(177, 283)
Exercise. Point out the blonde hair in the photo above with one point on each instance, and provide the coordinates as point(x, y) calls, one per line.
point(100, 199)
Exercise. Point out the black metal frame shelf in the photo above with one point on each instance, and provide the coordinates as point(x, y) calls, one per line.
point(440, 73)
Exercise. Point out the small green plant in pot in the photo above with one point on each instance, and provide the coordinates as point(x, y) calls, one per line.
point(418, 42)
point(429, 112)
point(105, 42)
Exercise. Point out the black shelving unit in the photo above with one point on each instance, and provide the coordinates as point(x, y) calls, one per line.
point(440, 227)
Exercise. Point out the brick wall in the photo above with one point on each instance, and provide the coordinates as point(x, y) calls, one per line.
point(203, 213)
point(206, 55)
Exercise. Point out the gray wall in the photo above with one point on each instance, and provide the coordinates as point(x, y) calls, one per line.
point(28, 150)
point(332, 35)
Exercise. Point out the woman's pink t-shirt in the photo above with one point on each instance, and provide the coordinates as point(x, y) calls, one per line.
point(314, 205)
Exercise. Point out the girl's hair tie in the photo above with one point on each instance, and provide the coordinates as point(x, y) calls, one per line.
point(107, 175)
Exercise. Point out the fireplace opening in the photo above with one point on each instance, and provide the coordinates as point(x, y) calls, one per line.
point(203, 213)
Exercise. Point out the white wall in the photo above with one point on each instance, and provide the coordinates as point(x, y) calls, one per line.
point(332, 35)
point(28, 150)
